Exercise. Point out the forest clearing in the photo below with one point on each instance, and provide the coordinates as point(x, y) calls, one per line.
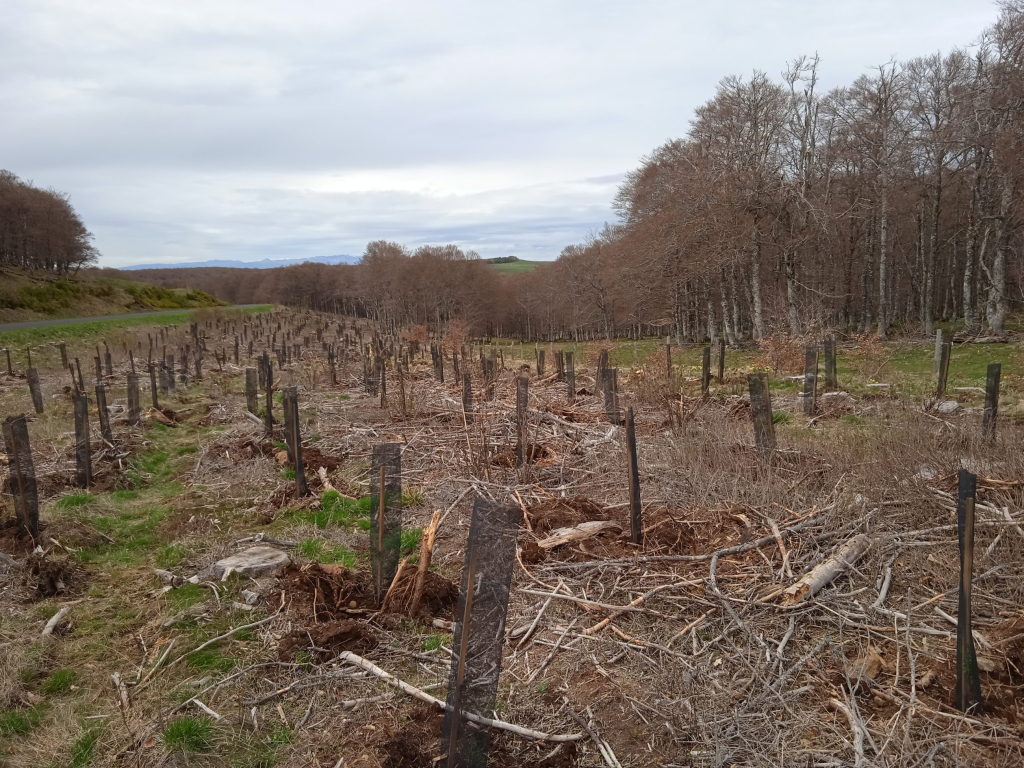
point(722, 601)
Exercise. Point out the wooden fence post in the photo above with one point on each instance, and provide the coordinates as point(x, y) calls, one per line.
point(104, 415)
point(939, 344)
point(171, 387)
point(761, 412)
point(988, 422)
point(108, 361)
point(152, 384)
point(83, 456)
point(522, 401)
point(22, 475)
point(810, 380)
point(636, 523)
point(967, 696)
point(63, 354)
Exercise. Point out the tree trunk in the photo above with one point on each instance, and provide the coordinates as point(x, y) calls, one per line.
point(997, 290)
point(755, 290)
point(789, 267)
point(883, 261)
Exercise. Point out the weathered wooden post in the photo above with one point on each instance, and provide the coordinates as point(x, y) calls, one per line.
point(479, 632)
point(570, 377)
point(294, 439)
point(467, 397)
point(761, 412)
point(810, 380)
point(559, 365)
point(63, 354)
point(636, 523)
point(385, 516)
point(939, 343)
point(705, 373)
point(83, 457)
point(399, 370)
point(988, 421)
point(236, 350)
point(133, 399)
point(721, 361)
point(10, 370)
point(22, 475)
point(668, 357)
point(165, 387)
point(611, 396)
point(108, 361)
point(34, 389)
point(967, 696)
point(171, 386)
point(104, 415)
point(946, 355)
point(522, 425)
point(540, 362)
point(251, 378)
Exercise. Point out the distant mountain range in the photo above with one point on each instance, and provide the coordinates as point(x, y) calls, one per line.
point(262, 264)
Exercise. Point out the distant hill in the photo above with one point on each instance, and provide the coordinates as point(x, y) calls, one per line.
point(36, 295)
point(512, 264)
point(262, 264)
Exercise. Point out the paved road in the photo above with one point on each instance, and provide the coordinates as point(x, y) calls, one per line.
point(67, 320)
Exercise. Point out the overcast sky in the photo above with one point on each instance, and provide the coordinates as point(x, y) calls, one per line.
point(188, 131)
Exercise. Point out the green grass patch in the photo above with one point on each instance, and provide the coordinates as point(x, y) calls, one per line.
point(73, 500)
point(432, 643)
point(134, 534)
point(413, 497)
point(59, 681)
point(781, 417)
point(122, 496)
point(335, 509)
point(18, 722)
point(410, 539)
point(210, 660)
point(83, 750)
point(189, 734)
point(325, 552)
point(186, 596)
point(170, 555)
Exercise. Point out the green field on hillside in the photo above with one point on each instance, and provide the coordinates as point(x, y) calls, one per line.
point(513, 267)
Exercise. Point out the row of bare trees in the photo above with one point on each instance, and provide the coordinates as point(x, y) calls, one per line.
point(888, 204)
point(39, 229)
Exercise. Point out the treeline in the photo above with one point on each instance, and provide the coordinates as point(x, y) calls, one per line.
point(39, 229)
point(884, 205)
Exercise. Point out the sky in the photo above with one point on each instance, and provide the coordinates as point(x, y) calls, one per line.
point(223, 129)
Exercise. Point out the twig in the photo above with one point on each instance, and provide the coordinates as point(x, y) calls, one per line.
point(415, 692)
point(57, 618)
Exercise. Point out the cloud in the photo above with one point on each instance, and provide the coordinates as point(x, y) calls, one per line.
point(187, 130)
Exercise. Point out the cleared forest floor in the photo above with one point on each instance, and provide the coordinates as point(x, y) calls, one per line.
point(701, 662)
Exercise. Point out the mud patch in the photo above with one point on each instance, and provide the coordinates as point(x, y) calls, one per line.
point(326, 592)
point(313, 459)
point(439, 594)
point(325, 641)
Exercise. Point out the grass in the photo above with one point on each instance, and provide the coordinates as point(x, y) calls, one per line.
point(335, 509)
point(18, 722)
point(189, 735)
point(324, 552)
point(92, 329)
point(84, 749)
point(210, 660)
point(515, 267)
point(432, 643)
point(59, 681)
point(73, 500)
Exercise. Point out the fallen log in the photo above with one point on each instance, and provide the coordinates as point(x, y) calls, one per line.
point(826, 572)
point(587, 530)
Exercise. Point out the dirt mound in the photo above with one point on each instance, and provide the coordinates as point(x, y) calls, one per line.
point(326, 641)
point(439, 594)
point(313, 459)
point(326, 592)
point(563, 513)
point(51, 577)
